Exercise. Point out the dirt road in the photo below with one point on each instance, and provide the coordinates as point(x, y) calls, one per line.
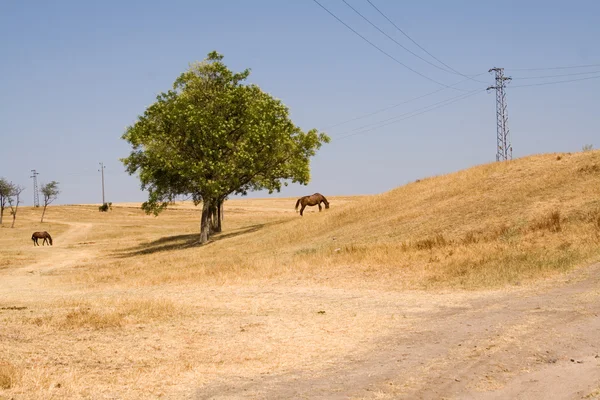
point(539, 343)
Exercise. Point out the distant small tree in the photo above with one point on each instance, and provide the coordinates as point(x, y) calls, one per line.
point(50, 192)
point(5, 191)
point(14, 200)
point(587, 147)
point(105, 207)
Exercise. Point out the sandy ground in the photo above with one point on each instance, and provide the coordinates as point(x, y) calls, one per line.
point(535, 343)
point(539, 342)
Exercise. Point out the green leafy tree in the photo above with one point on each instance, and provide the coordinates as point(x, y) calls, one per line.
point(14, 199)
point(6, 189)
point(50, 192)
point(212, 136)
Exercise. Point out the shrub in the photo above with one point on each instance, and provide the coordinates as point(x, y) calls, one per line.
point(105, 207)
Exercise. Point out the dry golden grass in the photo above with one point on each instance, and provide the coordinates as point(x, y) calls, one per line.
point(492, 225)
point(105, 313)
point(16, 241)
point(126, 305)
point(9, 375)
point(594, 394)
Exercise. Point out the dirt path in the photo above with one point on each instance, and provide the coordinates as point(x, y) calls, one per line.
point(64, 253)
point(530, 344)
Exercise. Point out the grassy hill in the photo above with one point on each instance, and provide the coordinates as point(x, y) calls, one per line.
point(487, 226)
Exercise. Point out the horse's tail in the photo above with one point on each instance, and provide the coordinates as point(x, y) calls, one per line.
point(33, 236)
point(298, 204)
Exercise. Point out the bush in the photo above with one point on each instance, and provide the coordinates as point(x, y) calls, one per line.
point(105, 207)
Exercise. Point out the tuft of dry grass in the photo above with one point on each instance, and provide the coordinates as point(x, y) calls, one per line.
point(550, 222)
point(9, 375)
point(594, 394)
point(110, 313)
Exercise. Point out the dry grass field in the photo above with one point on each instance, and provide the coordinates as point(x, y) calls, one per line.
point(451, 286)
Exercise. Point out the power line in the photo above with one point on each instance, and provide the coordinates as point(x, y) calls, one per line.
point(441, 104)
point(393, 106)
point(417, 112)
point(417, 44)
point(378, 48)
point(403, 114)
point(394, 40)
point(556, 82)
point(550, 68)
point(557, 76)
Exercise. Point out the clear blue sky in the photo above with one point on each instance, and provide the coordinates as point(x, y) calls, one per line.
point(74, 74)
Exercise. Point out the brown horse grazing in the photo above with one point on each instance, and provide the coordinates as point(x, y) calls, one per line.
point(41, 235)
point(314, 200)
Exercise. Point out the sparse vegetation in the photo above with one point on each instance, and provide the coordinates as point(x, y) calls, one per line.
point(14, 199)
point(587, 147)
point(6, 188)
point(9, 375)
point(50, 193)
point(594, 394)
point(550, 222)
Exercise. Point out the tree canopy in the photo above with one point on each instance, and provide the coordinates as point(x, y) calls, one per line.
point(6, 190)
point(50, 192)
point(212, 136)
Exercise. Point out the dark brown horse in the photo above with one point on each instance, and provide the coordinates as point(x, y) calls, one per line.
point(41, 235)
point(314, 200)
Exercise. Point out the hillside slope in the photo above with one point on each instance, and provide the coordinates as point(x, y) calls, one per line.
point(488, 225)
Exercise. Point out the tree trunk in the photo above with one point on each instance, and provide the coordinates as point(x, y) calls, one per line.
point(1, 214)
point(219, 215)
point(43, 212)
point(14, 217)
point(205, 221)
point(213, 218)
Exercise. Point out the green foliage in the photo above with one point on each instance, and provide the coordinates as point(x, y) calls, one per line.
point(6, 190)
point(212, 136)
point(14, 199)
point(5, 187)
point(587, 147)
point(50, 192)
point(105, 207)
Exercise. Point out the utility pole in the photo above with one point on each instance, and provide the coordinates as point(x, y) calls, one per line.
point(36, 195)
point(102, 170)
point(503, 145)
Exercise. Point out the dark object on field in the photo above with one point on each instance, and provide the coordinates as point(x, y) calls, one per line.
point(105, 207)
